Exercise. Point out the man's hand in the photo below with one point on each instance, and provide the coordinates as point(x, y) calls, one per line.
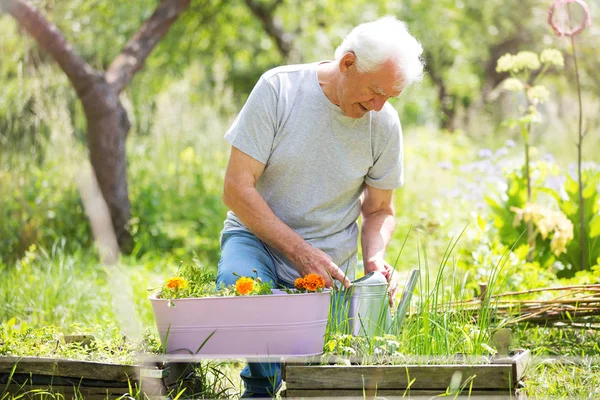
point(310, 260)
point(389, 272)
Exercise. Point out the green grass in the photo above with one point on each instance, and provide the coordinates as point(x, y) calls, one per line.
point(565, 361)
point(61, 289)
point(106, 344)
point(577, 378)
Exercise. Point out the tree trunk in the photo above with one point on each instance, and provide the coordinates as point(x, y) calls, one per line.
point(447, 108)
point(107, 121)
point(447, 101)
point(107, 134)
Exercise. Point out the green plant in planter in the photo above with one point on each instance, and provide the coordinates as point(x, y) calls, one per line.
point(436, 325)
point(192, 281)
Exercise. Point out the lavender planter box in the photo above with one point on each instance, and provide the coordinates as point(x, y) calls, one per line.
point(277, 325)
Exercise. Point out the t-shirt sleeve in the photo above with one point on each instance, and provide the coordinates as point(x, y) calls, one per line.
point(387, 171)
point(253, 130)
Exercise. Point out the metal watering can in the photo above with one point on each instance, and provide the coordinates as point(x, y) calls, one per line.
point(364, 309)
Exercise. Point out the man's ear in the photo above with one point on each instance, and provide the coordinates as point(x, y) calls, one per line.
point(348, 62)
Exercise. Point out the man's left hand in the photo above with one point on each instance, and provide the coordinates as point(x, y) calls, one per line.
point(379, 264)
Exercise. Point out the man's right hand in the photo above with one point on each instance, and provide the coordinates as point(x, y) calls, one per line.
point(310, 260)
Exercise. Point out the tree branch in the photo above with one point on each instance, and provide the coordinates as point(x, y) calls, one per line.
point(272, 25)
point(51, 40)
point(134, 54)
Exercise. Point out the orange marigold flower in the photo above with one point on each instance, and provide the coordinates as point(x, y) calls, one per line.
point(176, 283)
point(299, 283)
point(244, 285)
point(313, 282)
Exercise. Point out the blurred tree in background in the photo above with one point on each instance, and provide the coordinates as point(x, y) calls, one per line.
point(98, 92)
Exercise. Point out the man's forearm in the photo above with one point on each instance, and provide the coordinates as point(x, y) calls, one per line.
point(256, 214)
point(377, 230)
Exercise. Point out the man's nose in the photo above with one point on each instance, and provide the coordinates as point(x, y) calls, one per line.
point(378, 102)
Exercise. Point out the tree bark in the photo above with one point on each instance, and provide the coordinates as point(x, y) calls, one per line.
point(134, 54)
point(446, 100)
point(107, 121)
point(272, 25)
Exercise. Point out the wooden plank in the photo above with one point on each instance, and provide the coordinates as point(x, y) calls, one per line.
point(520, 363)
point(434, 377)
point(395, 394)
point(69, 392)
point(69, 368)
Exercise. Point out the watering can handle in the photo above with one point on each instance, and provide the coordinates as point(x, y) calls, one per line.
point(407, 294)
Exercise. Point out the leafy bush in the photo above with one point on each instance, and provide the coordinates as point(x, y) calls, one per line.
point(39, 206)
point(569, 205)
point(555, 219)
point(176, 206)
point(511, 213)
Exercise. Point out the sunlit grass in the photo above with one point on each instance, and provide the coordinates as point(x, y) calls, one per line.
point(61, 289)
point(575, 378)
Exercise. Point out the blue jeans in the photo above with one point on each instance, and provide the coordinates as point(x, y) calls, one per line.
point(242, 252)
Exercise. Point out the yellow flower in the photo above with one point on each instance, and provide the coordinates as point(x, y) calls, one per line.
point(244, 285)
point(553, 224)
point(188, 155)
point(176, 283)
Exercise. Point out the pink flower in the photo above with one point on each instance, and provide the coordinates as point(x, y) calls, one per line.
point(562, 27)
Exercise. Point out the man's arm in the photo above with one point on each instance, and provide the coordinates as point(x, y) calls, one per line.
point(377, 227)
point(241, 196)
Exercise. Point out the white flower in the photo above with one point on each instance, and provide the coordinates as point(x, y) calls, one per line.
point(552, 57)
point(538, 94)
point(515, 63)
point(513, 85)
point(505, 63)
point(526, 60)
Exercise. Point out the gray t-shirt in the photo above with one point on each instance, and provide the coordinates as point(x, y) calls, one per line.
point(317, 161)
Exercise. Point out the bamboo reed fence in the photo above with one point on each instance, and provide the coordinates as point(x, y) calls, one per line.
point(578, 305)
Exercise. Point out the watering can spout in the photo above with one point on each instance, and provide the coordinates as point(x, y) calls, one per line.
point(407, 294)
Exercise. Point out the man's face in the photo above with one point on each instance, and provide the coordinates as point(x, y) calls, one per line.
point(360, 93)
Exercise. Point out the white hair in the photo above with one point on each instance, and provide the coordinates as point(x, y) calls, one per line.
point(385, 39)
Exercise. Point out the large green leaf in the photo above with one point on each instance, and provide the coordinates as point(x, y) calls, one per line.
point(595, 226)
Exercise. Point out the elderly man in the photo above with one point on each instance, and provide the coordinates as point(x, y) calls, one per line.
point(314, 147)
